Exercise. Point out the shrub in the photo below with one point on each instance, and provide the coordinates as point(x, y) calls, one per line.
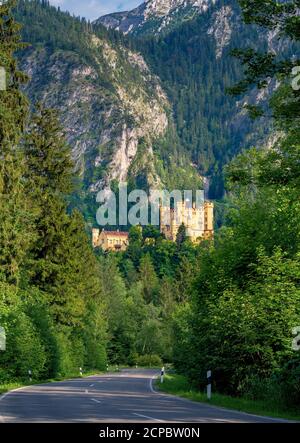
point(149, 361)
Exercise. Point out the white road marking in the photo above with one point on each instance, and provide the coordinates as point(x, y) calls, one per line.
point(86, 391)
point(96, 401)
point(150, 418)
point(92, 385)
point(151, 384)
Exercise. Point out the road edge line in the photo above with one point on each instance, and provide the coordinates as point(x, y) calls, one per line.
point(6, 394)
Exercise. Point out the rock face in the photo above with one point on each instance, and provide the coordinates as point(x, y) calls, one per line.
point(221, 28)
point(103, 125)
point(155, 15)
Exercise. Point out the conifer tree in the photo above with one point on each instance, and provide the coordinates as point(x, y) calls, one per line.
point(62, 263)
point(15, 209)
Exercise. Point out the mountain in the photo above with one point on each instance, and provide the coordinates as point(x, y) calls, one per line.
point(188, 44)
point(152, 110)
point(155, 16)
point(116, 116)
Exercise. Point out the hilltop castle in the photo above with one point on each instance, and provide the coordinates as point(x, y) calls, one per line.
point(198, 221)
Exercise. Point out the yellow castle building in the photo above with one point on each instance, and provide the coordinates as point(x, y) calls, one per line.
point(110, 240)
point(199, 222)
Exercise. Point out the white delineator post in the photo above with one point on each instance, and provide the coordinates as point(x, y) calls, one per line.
point(2, 339)
point(209, 385)
point(2, 74)
point(30, 375)
point(162, 374)
point(80, 371)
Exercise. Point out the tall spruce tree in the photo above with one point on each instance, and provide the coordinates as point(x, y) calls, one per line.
point(15, 208)
point(62, 263)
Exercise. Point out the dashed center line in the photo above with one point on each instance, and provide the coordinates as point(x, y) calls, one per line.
point(96, 401)
point(150, 418)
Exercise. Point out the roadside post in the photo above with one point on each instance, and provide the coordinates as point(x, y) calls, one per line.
point(2, 339)
point(209, 385)
point(162, 374)
point(30, 375)
point(2, 76)
point(80, 372)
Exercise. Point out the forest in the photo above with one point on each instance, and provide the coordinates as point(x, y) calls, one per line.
point(229, 305)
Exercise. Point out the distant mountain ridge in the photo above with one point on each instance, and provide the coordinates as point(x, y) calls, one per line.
point(154, 16)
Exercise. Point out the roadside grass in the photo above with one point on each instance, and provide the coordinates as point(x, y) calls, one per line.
point(6, 387)
point(179, 385)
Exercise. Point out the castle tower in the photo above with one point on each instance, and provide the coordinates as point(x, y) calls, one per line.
point(208, 219)
point(95, 237)
point(199, 221)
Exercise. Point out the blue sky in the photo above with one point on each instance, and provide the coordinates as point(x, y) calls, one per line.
point(93, 9)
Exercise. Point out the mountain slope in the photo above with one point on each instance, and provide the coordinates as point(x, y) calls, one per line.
point(115, 114)
point(155, 16)
point(191, 54)
point(152, 111)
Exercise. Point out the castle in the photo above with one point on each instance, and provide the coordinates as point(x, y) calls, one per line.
point(198, 222)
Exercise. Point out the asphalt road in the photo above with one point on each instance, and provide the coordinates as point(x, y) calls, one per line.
point(126, 397)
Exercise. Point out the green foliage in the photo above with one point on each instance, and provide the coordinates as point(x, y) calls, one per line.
point(245, 300)
point(51, 302)
point(208, 127)
point(271, 405)
point(149, 361)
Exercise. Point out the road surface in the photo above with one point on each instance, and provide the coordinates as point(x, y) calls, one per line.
point(126, 397)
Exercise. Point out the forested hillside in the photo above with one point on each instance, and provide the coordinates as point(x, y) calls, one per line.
point(162, 118)
point(114, 111)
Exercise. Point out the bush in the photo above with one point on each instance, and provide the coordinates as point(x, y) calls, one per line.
point(150, 361)
point(96, 357)
point(24, 348)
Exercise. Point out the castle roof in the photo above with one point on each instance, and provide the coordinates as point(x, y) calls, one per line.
point(116, 233)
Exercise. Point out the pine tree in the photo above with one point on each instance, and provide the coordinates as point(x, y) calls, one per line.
point(181, 235)
point(149, 279)
point(15, 218)
point(62, 263)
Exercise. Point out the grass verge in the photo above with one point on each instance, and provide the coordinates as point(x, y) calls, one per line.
point(179, 385)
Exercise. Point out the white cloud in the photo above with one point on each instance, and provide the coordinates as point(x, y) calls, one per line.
point(93, 9)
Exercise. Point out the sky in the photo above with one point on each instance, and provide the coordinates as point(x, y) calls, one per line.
point(92, 9)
